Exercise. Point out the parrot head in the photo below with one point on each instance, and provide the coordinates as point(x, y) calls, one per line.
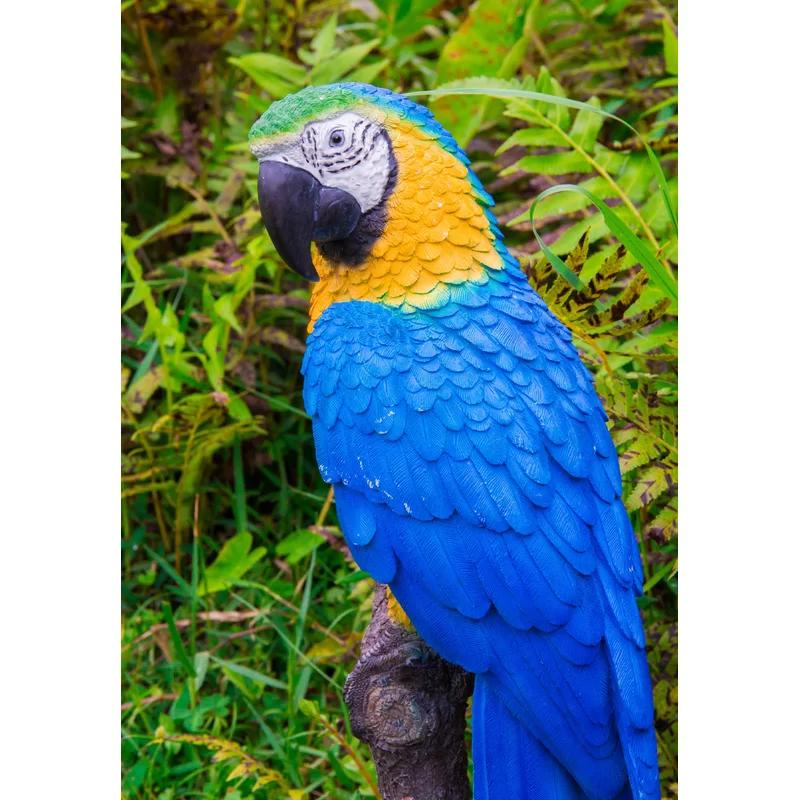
point(364, 193)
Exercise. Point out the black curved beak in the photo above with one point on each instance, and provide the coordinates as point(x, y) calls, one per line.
point(297, 210)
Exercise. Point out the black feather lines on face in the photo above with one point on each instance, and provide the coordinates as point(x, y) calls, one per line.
point(343, 158)
point(353, 251)
point(308, 146)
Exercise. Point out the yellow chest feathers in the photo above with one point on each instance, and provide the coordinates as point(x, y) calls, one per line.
point(436, 234)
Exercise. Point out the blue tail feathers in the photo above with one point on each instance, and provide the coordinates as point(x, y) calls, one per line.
point(509, 761)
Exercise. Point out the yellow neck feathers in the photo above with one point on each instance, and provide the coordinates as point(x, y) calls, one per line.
point(436, 234)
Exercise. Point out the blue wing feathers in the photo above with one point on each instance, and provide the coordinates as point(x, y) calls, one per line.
point(457, 494)
point(566, 524)
point(458, 638)
point(489, 445)
point(474, 473)
point(450, 576)
point(508, 583)
point(582, 562)
point(356, 516)
point(476, 494)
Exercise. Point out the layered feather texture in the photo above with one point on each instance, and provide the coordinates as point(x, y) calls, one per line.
point(438, 237)
point(474, 472)
point(475, 475)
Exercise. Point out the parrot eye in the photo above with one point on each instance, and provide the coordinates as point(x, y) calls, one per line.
point(336, 138)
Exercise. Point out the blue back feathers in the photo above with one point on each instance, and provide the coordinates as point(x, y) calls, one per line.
point(474, 473)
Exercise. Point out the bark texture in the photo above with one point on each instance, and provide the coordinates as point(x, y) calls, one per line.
point(409, 706)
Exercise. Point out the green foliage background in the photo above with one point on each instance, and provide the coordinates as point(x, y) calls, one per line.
point(242, 611)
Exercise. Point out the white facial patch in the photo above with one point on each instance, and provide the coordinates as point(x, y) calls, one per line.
point(347, 152)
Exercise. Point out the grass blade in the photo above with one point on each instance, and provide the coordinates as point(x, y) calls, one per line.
point(504, 90)
point(639, 249)
point(251, 674)
point(180, 651)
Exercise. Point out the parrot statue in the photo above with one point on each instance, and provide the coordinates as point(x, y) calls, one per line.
point(468, 451)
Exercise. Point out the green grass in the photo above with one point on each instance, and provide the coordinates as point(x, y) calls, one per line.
point(242, 611)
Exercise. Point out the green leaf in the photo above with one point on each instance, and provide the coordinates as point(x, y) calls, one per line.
point(299, 544)
point(352, 577)
point(368, 72)
point(664, 572)
point(411, 23)
point(177, 645)
point(558, 163)
point(532, 137)
point(250, 674)
point(670, 46)
point(308, 708)
point(147, 578)
point(165, 114)
point(239, 487)
point(558, 264)
point(503, 89)
point(224, 308)
point(142, 389)
point(489, 41)
point(322, 44)
point(136, 296)
point(640, 249)
point(563, 203)
point(276, 74)
point(665, 524)
point(233, 561)
point(333, 69)
point(650, 484)
point(586, 126)
point(238, 409)
point(200, 668)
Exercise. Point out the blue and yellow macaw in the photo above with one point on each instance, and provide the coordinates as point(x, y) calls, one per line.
point(468, 451)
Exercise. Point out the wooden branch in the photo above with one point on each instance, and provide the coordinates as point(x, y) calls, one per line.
point(408, 705)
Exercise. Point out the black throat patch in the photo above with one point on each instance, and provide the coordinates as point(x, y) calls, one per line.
point(353, 251)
